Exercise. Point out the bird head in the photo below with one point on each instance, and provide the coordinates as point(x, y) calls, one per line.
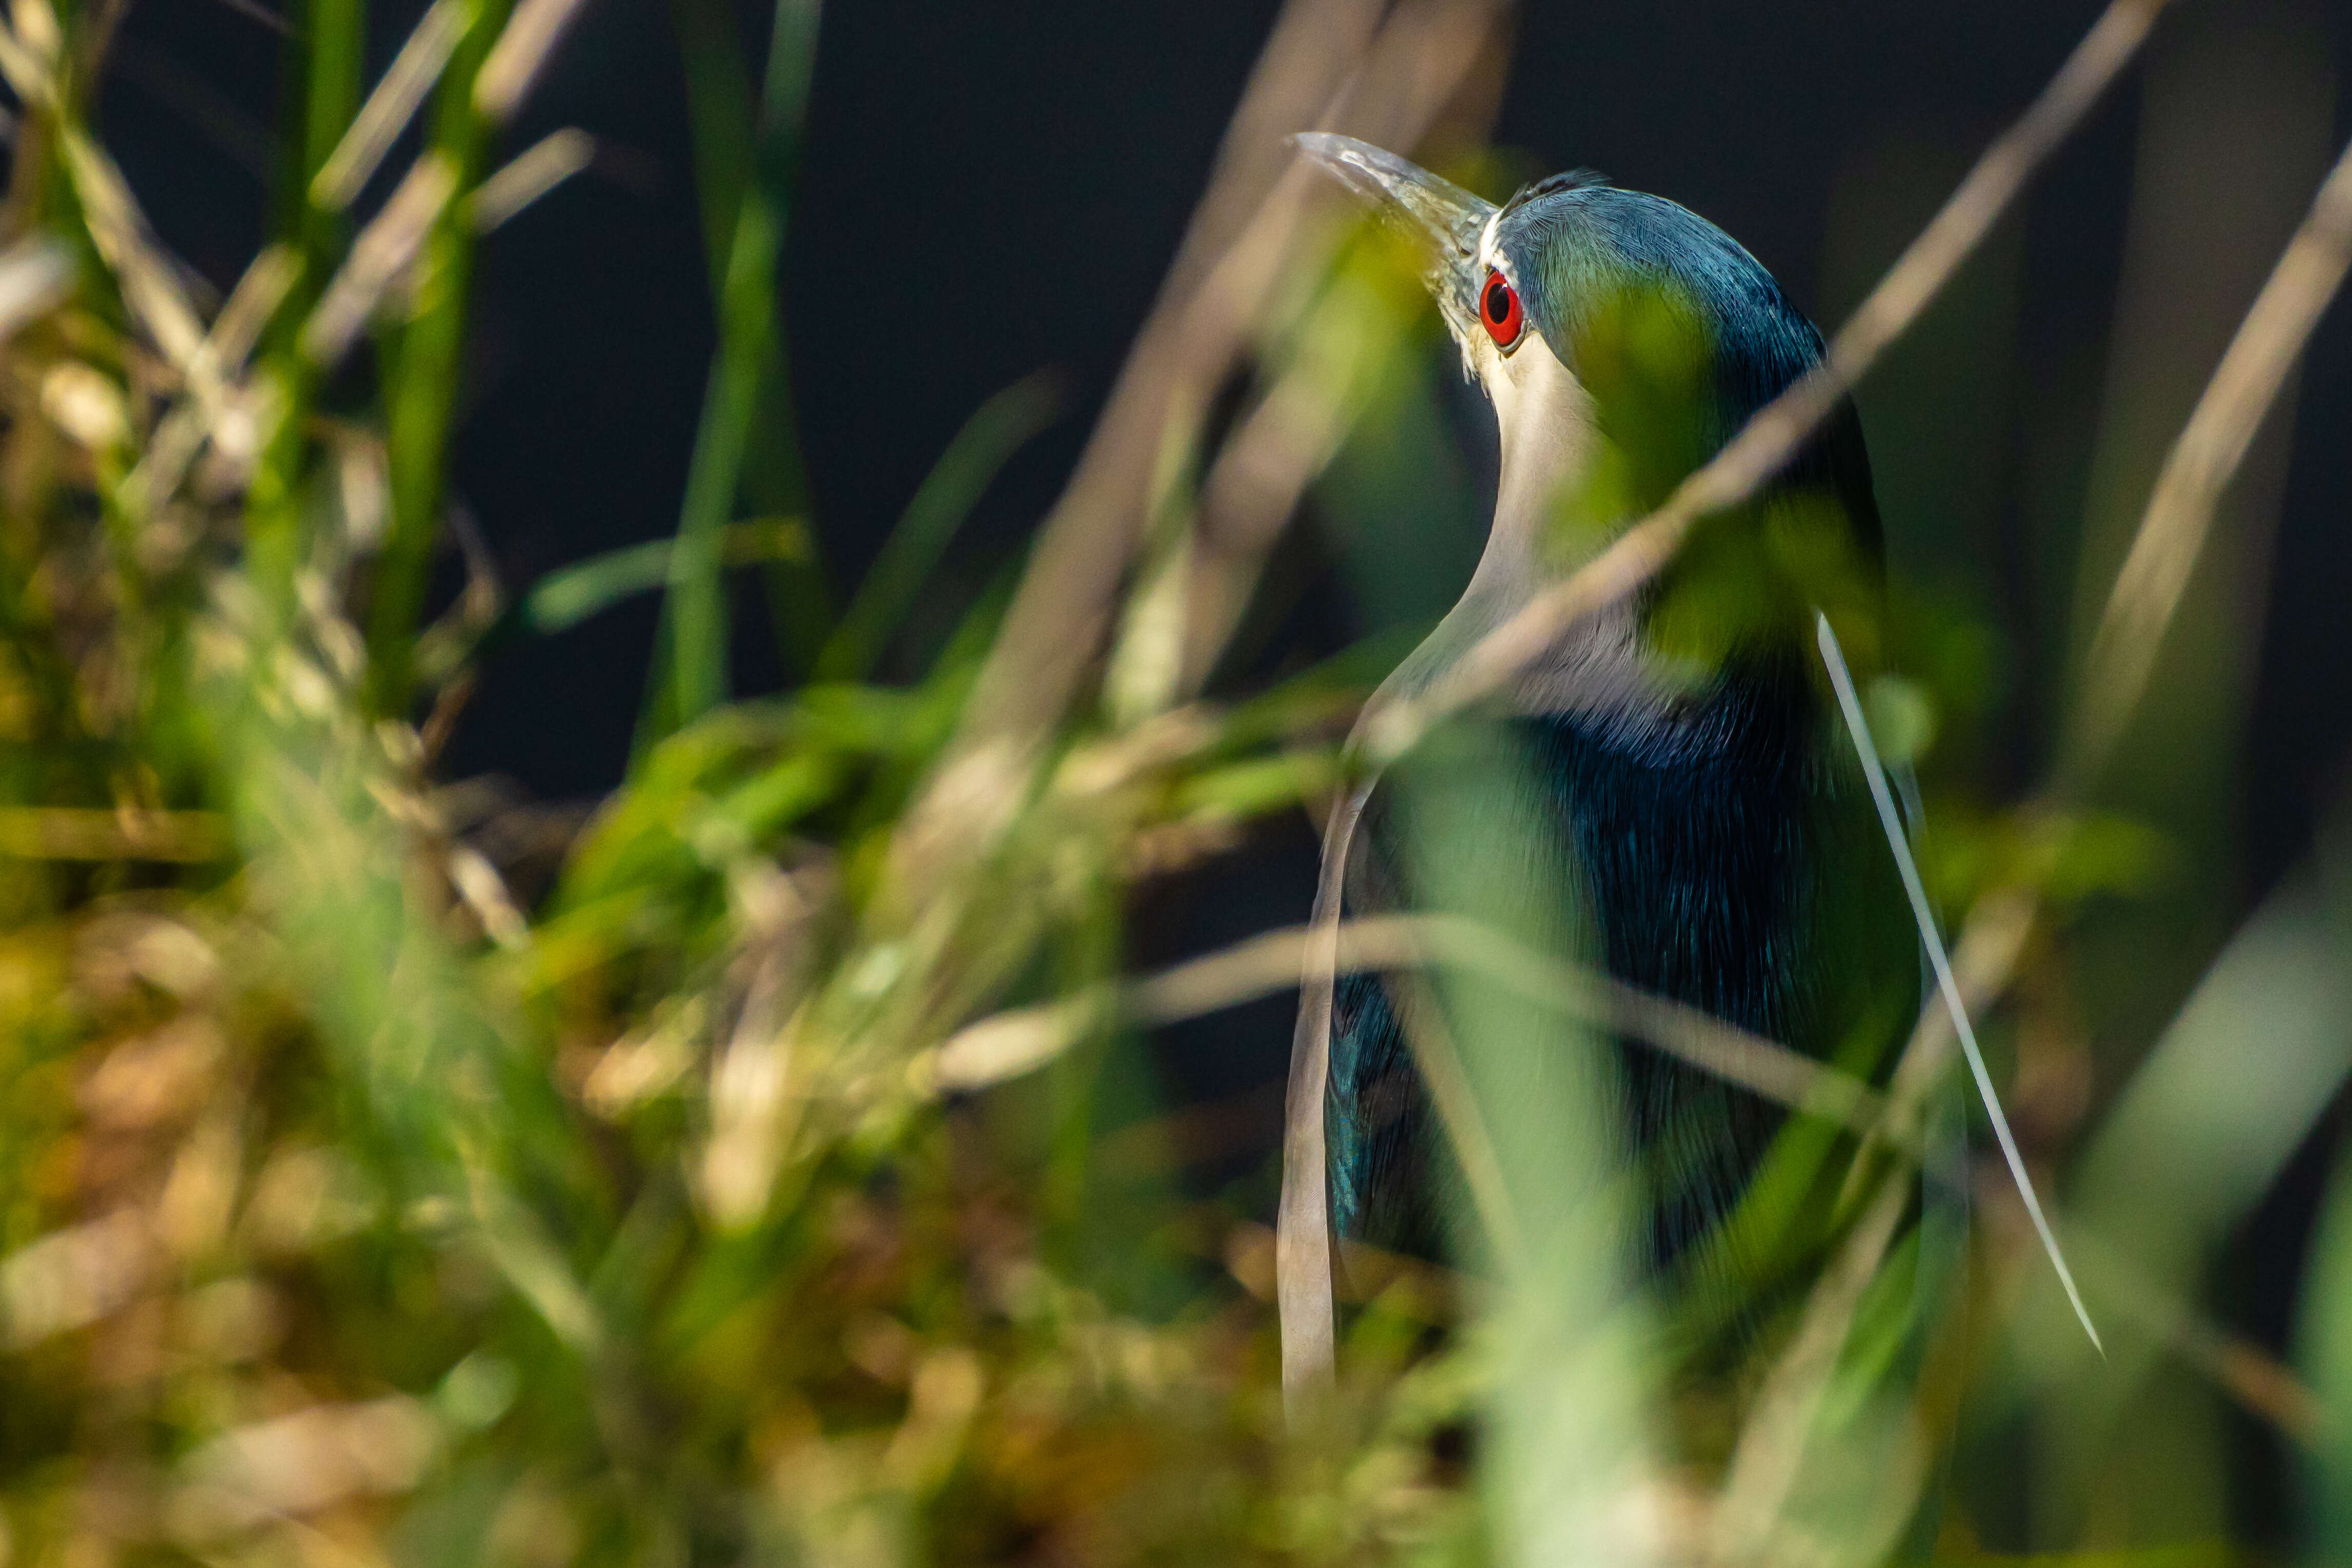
point(1622, 339)
point(1471, 256)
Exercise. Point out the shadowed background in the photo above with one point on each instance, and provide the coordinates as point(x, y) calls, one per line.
point(985, 195)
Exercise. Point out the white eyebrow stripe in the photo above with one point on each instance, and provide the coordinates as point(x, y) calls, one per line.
point(1487, 253)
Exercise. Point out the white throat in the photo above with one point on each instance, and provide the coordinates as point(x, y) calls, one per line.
point(1549, 438)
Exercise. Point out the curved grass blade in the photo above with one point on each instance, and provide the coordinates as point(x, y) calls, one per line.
point(1892, 819)
point(564, 598)
point(1000, 427)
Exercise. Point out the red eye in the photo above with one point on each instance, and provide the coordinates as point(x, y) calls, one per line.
point(1498, 306)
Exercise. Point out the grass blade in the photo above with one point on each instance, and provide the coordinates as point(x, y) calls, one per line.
point(1001, 426)
point(389, 108)
point(1891, 818)
point(421, 393)
point(322, 96)
point(564, 598)
point(743, 399)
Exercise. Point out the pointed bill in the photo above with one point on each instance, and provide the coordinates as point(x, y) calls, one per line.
point(1443, 222)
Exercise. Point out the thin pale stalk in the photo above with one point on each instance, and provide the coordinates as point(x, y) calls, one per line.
point(521, 52)
point(389, 108)
point(1771, 1455)
point(1007, 1045)
point(2164, 551)
point(1438, 1059)
point(1241, 238)
point(2199, 469)
point(1948, 985)
point(529, 175)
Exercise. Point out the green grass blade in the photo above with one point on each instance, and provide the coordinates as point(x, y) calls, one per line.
point(774, 478)
point(322, 95)
point(2327, 1354)
point(720, 116)
point(564, 598)
point(697, 604)
point(1002, 426)
point(744, 430)
point(421, 388)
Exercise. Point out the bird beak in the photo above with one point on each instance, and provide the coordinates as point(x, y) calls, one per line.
point(1444, 222)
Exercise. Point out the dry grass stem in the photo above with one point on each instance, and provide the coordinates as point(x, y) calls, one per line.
point(391, 106)
point(1235, 252)
point(34, 275)
point(151, 285)
point(1006, 1045)
point(256, 11)
point(1771, 1450)
point(2258, 1381)
point(1439, 1061)
point(1947, 984)
point(206, 414)
point(2155, 574)
point(382, 251)
point(27, 63)
point(71, 833)
point(2199, 469)
point(1428, 56)
point(516, 59)
point(1982, 959)
point(537, 170)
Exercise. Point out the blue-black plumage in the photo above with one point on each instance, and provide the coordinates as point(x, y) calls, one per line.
point(1679, 747)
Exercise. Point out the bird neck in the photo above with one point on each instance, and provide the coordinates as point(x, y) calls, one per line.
point(1550, 439)
point(1549, 436)
point(1601, 672)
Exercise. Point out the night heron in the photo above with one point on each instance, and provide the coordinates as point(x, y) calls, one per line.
point(1681, 747)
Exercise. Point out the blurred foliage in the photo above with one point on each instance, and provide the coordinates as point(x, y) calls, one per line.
point(392, 1172)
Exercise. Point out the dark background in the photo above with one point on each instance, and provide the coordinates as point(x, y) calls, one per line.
point(990, 189)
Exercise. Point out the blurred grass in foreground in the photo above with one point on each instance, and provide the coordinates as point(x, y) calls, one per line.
point(748, 1195)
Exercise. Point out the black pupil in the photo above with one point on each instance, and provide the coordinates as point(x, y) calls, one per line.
point(1498, 302)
